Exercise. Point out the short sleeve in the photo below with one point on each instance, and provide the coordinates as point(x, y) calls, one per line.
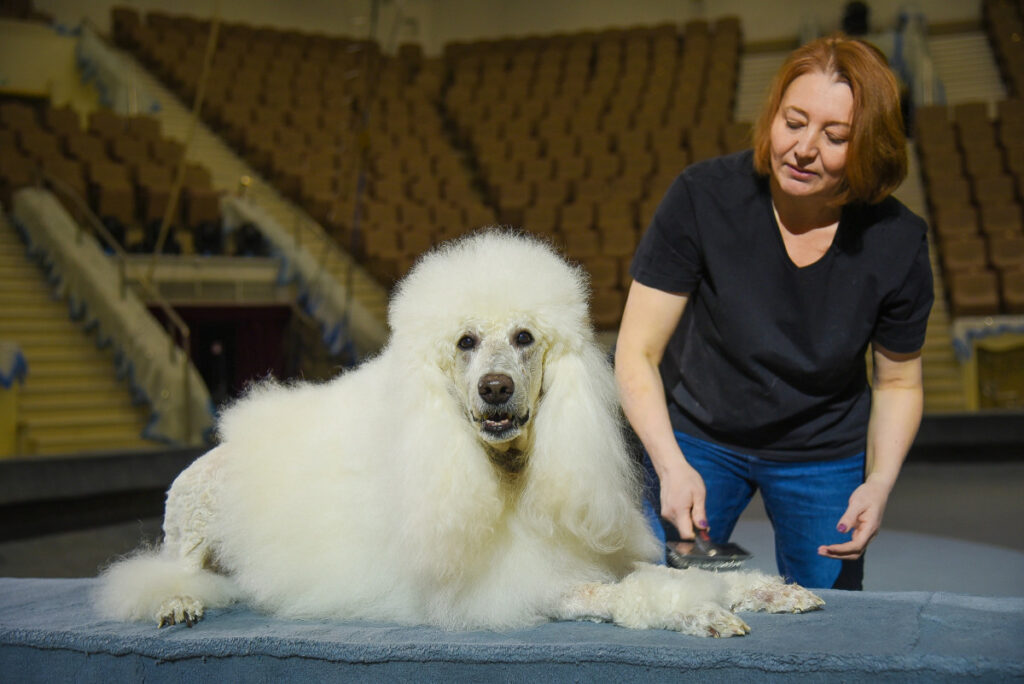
point(903, 315)
point(668, 257)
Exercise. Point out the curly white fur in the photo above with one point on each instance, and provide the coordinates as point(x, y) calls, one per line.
point(403, 491)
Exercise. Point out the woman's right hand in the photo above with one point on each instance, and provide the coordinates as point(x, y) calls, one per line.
point(682, 498)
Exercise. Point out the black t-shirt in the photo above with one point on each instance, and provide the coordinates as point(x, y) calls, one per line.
point(769, 358)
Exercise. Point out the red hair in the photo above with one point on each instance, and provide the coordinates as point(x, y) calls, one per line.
point(876, 158)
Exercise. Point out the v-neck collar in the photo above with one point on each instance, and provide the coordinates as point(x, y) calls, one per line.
point(776, 224)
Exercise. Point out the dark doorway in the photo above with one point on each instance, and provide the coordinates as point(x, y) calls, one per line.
point(234, 346)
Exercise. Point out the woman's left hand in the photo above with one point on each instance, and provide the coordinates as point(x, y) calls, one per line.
point(864, 517)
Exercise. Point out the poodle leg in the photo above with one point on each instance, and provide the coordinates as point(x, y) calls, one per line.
point(656, 597)
point(176, 583)
point(191, 504)
point(754, 591)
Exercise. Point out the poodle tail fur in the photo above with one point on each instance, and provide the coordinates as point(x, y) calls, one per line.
point(135, 587)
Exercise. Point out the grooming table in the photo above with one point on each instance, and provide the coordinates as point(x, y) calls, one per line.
point(48, 632)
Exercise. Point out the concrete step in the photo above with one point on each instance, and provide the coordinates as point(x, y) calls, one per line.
point(13, 255)
point(15, 327)
point(53, 444)
point(47, 380)
point(25, 270)
point(114, 398)
point(23, 293)
point(66, 355)
point(52, 342)
point(85, 421)
point(967, 67)
point(14, 310)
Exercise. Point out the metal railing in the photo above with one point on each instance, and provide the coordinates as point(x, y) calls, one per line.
point(83, 211)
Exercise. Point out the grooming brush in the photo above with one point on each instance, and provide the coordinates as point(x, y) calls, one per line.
point(705, 554)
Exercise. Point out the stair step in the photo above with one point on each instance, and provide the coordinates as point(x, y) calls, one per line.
point(20, 272)
point(112, 399)
point(87, 420)
point(940, 385)
point(37, 326)
point(967, 67)
point(41, 382)
point(953, 404)
point(49, 445)
point(52, 342)
point(18, 310)
point(11, 255)
point(28, 295)
point(67, 355)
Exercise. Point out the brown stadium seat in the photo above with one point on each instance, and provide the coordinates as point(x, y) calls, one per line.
point(62, 120)
point(153, 184)
point(1006, 253)
point(956, 221)
point(1001, 218)
point(1012, 289)
point(16, 171)
point(974, 293)
point(606, 307)
point(85, 147)
point(963, 254)
point(111, 190)
point(69, 172)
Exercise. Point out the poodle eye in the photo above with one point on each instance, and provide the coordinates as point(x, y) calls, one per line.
point(466, 342)
point(524, 338)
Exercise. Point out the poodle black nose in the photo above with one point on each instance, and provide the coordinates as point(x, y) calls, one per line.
point(495, 388)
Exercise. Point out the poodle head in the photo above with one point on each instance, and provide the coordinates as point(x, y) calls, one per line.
point(487, 313)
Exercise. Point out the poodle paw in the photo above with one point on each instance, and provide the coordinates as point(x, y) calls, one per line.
point(711, 621)
point(778, 597)
point(177, 610)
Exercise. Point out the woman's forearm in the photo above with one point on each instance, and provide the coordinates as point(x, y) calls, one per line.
point(895, 417)
point(643, 401)
point(897, 404)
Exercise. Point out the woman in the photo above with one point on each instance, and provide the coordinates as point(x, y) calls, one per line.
point(758, 286)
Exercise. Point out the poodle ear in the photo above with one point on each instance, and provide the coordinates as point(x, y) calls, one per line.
point(452, 497)
point(580, 475)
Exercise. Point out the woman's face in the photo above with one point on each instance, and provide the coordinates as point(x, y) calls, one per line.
point(809, 136)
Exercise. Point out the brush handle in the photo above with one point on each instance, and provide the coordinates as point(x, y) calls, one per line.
point(702, 542)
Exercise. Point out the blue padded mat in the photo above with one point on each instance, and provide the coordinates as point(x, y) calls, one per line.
point(48, 632)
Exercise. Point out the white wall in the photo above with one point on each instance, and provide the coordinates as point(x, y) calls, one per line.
point(432, 23)
point(51, 70)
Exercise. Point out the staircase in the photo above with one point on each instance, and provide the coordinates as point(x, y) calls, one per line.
point(968, 70)
point(227, 169)
point(965, 63)
point(71, 401)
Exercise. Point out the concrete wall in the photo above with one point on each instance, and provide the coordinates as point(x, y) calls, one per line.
point(432, 23)
point(35, 60)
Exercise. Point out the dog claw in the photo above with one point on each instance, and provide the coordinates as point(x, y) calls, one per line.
point(179, 610)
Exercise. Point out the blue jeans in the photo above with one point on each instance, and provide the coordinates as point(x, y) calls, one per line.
point(803, 500)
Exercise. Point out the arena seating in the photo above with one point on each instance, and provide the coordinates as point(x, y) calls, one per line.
point(571, 136)
point(1004, 24)
point(973, 167)
point(122, 165)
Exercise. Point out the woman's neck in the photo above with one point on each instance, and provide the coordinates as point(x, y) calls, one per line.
point(803, 214)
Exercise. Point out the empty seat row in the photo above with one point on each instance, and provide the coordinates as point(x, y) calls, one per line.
point(972, 160)
point(121, 165)
point(573, 136)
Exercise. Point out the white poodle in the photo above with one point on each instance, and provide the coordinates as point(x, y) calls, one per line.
point(473, 475)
